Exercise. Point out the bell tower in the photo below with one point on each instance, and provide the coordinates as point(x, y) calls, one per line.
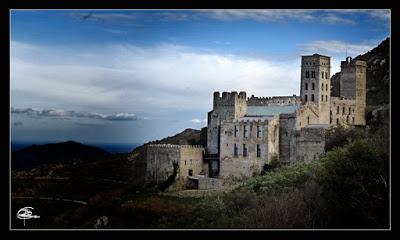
point(315, 84)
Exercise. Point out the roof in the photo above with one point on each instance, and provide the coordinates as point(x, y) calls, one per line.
point(318, 126)
point(254, 118)
point(270, 110)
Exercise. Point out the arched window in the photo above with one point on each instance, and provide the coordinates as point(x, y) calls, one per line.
point(322, 87)
point(322, 74)
point(349, 110)
point(337, 120)
point(343, 111)
point(312, 97)
point(313, 86)
point(337, 110)
point(306, 98)
point(326, 87)
point(306, 86)
point(322, 97)
point(307, 74)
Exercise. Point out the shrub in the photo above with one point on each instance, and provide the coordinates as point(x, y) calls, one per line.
point(354, 179)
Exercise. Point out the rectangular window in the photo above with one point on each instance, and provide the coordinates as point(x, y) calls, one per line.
point(244, 150)
point(236, 131)
point(322, 74)
point(245, 131)
point(312, 74)
point(258, 131)
point(307, 74)
point(258, 150)
point(235, 150)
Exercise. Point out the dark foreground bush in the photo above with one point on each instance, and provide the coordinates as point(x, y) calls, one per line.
point(354, 180)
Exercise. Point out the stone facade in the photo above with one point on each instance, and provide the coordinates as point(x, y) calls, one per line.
point(245, 134)
point(161, 159)
point(247, 144)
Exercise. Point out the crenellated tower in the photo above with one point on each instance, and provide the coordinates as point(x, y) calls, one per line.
point(228, 107)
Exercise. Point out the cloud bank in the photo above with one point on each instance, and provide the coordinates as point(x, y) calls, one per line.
point(65, 113)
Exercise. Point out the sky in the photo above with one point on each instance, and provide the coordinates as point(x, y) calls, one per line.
point(133, 76)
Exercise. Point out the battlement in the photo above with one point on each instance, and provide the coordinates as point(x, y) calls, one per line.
point(228, 98)
point(276, 100)
point(173, 146)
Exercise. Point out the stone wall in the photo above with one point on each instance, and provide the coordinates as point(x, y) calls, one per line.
point(267, 140)
point(311, 143)
point(161, 158)
point(273, 101)
point(342, 111)
point(287, 128)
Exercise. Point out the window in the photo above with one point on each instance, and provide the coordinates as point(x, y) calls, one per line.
point(236, 130)
point(347, 119)
point(185, 162)
point(258, 131)
point(190, 172)
point(322, 87)
point(244, 150)
point(245, 131)
point(307, 74)
point(312, 97)
point(308, 119)
point(337, 120)
point(235, 150)
point(326, 75)
point(343, 111)
point(313, 86)
point(322, 74)
point(326, 87)
point(306, 86)
point(330, 117)
point(258, 150)
point(190, 161)
point(337, 110)
point(322, 98)
point(312, 74)
point(349, 110)
point(306, 98)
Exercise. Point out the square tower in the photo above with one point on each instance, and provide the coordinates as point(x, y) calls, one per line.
point(353, 80)
point(315, 83)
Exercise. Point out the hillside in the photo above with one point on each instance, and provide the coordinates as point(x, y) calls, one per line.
point(378, 74)
point(36, 155)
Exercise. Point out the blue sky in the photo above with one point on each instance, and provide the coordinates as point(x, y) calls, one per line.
point(135, 76)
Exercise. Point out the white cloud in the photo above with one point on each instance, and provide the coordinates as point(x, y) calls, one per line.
point(153, 81)
point(336, 47)
point(196, 120)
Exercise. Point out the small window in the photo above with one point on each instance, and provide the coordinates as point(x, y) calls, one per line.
point(258, 150)
point(343, 111)
point(244, 150)
point(313, 86)
point(245, 132)
point(312, 97)
point(306, 98)
point(337, 120)
point(326, 87)
point(308, 119)
point(235, 150)
point(191, 162)
point(236, 130)
point(322, 74)
point(185, 162)
point(258, 131)
point(347, 119)
point(313, 74)
point(349, 110)
point(190, 172)
point(322, 98)
point(306, 86)
point(337, 110)
point(307, 74)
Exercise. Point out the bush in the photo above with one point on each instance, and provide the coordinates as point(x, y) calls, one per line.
point(340, 136)
point(354, 180)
